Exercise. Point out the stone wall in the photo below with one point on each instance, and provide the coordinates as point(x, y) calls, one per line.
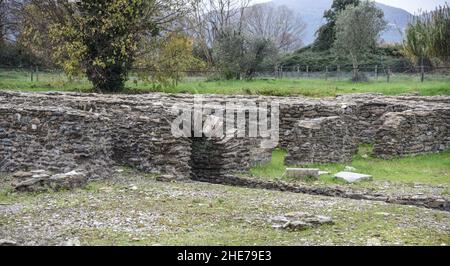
point(413, 132)
point(53, 139)
point(214, 159)
point(321, 140)
point(134, 130)
point(137, 132)
point(142, 139)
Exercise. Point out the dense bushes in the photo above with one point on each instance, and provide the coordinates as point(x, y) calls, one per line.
point(317, 61)
point(12, 55)
point(428, 37)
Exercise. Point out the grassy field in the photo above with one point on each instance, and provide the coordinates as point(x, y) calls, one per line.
point(312, 87)
point(428, 169)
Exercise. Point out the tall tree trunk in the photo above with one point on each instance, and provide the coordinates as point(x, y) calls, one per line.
point(355, 68)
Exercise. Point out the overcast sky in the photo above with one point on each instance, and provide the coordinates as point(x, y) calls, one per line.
point(411, 5)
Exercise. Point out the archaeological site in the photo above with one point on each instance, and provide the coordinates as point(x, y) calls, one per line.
point(69, 142)
point(88, 133)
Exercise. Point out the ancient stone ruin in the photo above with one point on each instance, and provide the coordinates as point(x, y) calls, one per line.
point(90, 133)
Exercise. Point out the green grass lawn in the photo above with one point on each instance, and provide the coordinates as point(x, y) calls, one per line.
point(312, 87)
point(427, 169)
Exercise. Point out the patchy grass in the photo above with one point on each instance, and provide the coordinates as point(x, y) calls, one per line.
point(427, 169)
point(205, 214)
point(312, 87)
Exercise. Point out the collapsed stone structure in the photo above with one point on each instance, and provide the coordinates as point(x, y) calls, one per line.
point(413, 132)
point(320, 140)
point(60, 132)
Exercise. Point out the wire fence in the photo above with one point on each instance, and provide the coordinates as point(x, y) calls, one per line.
point(379, 73)
point(331, 73)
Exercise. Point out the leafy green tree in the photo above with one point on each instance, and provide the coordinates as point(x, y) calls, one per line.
point(428, 36)
point(326, 34)
point(416, 42)
point(98, 38)
point(261, 54)
point(358, 29)
point(241, 56)
point(171, 57)
point(440, 38)
point(228, 53)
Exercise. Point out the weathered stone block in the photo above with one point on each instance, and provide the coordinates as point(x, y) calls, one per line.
point(302, 173)
point(320, 140)
point(42, 182)
point(413, 132)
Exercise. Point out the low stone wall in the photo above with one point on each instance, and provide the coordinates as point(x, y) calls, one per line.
point(214, 159)
point(137, 133)
point(431, 202)
point(53, 139)
point(321, 140)
point(413, 132)
point(135, 130)
point(142, 139)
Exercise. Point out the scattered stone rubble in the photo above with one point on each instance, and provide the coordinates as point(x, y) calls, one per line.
point(302, 173)
point(42, 180)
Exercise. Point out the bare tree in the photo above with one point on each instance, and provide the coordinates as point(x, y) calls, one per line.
point(2, 20)
point(211, 19)
point(6, 20)
point(277, 23)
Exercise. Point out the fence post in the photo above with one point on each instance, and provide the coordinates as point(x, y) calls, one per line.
point(37, 73)
point(376, 72)
point(388, 74)
point(307, 71)
point(422, 72)
point(31, 72)
point(338, 70)
point(326, 73)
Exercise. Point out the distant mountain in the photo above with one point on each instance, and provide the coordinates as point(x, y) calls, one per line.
point(312, 13)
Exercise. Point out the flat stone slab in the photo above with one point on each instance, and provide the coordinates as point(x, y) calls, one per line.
point(324, 173)
point(353, 177)
point(302, 173)
point(300, 221)
point(42, 181)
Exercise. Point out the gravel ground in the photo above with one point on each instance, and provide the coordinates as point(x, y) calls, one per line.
point(134, 209)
